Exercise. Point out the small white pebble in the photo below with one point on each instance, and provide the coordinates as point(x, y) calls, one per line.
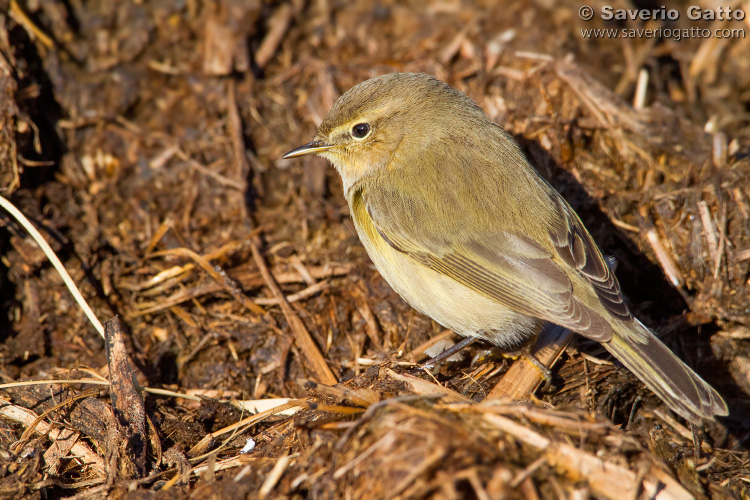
point(248, 446)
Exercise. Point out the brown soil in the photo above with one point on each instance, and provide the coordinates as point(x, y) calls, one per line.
point(144, 139)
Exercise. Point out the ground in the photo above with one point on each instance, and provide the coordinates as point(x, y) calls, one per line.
point(144, 140)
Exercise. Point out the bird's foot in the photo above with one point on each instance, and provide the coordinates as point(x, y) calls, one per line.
point(546, 373)
point(525, 351)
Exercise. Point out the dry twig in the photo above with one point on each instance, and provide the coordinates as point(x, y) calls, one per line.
point(81, 450)
point(605, 478)
point(304, 340)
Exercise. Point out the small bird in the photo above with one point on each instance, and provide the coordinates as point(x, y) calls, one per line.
point(462, 226)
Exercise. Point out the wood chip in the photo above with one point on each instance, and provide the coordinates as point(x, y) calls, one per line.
point(126, 400)
point(523, 377)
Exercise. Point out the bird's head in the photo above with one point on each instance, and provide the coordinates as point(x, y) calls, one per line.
point(387, 122)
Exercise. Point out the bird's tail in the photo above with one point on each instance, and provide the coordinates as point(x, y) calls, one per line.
point(683, 390)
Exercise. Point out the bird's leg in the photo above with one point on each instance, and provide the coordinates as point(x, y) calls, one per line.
point(436, 360)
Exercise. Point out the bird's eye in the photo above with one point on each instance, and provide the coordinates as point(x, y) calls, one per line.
point(360, 130)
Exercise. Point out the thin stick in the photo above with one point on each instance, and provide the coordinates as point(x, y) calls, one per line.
point(12, 210)
point(709, 231)
point(302, 336)
point(639, 101)
point(722, 240)
point(220, 277)
point(80, 450)
point(54, 381)
point(274, 476)
point(20, 16)
point(295, 297)
point(668, 265)
point(204, 443)
point(277, 27)
point(426, 388)
point(150, 390)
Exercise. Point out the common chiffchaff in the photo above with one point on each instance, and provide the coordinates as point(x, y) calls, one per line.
point(462, 227)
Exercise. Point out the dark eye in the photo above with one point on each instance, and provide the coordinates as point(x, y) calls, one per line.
point(360, 130)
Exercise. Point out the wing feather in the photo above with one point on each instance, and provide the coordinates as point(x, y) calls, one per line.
point(513, 270)
point(577, 249)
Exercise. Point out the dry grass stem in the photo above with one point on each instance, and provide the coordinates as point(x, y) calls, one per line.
point(145, 138)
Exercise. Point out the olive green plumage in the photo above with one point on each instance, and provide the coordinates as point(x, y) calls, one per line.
point(465, 230)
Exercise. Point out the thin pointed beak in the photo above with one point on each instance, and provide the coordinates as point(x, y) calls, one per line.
point(310, 148)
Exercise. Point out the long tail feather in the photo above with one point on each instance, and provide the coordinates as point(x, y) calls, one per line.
point(683, 390)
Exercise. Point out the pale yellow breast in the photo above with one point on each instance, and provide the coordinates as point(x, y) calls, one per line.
point(448, 302)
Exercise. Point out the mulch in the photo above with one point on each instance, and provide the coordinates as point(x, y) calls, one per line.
point(252, 350)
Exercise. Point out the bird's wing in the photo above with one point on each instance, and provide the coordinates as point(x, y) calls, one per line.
point(574, 246)
point(512, 269)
